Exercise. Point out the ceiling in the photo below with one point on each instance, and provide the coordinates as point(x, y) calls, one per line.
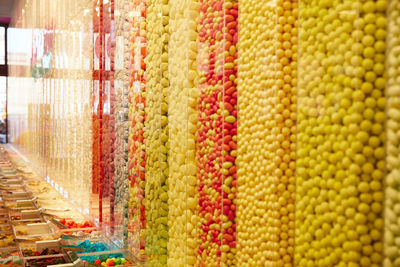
point(7, 7)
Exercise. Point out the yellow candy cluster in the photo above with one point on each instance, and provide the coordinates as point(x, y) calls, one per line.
point(266, 132)
point(182, 117)
point(340, 155)
point(392, 190)
point(156, 133)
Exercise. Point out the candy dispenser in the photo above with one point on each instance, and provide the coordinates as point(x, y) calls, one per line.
point(340, 133)
point(392, 204)
point(266, 133)
point(182, 119)
point(108, 119)
point(217, 119)
point(97, 111)
point(122, 61)
point(137, 152)
point(86, 12)
point(156, 133)
point(56, 94)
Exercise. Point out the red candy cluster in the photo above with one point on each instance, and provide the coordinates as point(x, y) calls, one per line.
point(217, 132)
point(74, 225)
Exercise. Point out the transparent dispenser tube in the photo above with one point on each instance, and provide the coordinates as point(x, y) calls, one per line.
point(121, 64)
point(341, 137)
point(267, 73)
point(156, 133)
point(137, 152)
point(392, 204)
point(182, 112)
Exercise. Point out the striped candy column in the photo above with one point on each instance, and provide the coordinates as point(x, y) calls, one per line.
point(217, 132)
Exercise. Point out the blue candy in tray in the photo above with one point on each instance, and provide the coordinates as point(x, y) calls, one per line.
point(95, 247)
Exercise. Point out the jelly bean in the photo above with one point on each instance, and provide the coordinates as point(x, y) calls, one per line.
point(156, 133)
point(216, 163)
point(182, 121)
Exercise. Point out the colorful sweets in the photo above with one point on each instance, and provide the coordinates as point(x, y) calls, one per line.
point(112, 262)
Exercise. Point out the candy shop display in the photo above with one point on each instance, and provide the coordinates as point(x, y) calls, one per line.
point(204, 133)
point(341, 133)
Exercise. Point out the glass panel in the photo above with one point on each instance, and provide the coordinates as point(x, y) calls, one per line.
point(3, 112)
point(2, 45)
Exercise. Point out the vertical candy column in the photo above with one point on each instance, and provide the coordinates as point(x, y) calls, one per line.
point(217, 132)
point(87, 103)
point(137, 152)
point(122, 61)
point(285, 119)
point(108, 119)
point(267, 76)
point(156, 132)
point(182, 118)
point(392, 201)
point(97, 109)
point(229, 141)
point(341, 119)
